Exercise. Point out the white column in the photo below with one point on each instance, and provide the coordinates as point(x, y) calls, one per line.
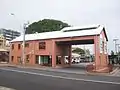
point(39, 59)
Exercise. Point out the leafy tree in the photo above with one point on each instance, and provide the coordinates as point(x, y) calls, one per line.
point(87, 51)
point(78, 51)
point(112, 53)
point(46, 25)
point(118, 53)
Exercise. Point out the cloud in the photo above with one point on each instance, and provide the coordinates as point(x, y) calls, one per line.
point(74, 12)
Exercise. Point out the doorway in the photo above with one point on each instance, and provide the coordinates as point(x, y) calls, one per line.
point(43, 60)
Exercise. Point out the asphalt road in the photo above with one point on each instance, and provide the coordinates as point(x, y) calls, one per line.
point(29, 79)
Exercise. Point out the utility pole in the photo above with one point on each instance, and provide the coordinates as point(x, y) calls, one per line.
point(23, 44)
point(118, 53)
point(115, 40)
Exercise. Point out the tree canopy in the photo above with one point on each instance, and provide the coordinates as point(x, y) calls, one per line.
point(78, 51)
point(112, 53)
point(46, 25)
point(87, 51)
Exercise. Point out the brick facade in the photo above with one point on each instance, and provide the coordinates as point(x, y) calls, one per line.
point(56, 47)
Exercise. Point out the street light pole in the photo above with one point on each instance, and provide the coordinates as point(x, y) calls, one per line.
point(115, 40)
point(118, 50)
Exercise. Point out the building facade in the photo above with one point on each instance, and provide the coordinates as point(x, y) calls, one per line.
point(2, 42)
point(4, 50)
point(9, 34)
point(50, 48)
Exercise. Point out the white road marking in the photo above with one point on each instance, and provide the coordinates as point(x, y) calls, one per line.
point(5, 88)
point(117, 73)
point(61, 77)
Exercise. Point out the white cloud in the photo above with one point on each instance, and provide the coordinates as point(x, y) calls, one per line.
point(74, 12)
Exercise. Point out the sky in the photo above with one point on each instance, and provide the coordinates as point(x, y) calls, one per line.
point(73, 12)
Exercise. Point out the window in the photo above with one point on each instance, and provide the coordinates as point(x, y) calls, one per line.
point(41, 45)
point(26, 44)
point(12, 58)
point(12, 46)
point(18, 46)
point(0, 44)
point(27, 58)
point(37, 59)
point(19, 60)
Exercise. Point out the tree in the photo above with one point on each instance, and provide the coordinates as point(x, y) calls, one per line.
point(112, 53)
point(46, 25)
point(87, 51)
point(78, 51)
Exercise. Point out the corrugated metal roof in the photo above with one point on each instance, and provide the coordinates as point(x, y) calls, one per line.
point(88, 27)
point(63, 33)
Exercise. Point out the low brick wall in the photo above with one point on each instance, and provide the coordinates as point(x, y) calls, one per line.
point(101, 69)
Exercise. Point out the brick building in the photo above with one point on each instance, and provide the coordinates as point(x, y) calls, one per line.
point(50, 48)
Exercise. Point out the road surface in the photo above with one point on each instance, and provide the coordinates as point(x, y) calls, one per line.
point(30, 79)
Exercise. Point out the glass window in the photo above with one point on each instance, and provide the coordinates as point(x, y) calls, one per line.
point(42, 45)
point(37, 59)
point(27, 58)
point(26, 44)
point(12, 58)
point(18, 46)
point(19, 60)
point(12, 46)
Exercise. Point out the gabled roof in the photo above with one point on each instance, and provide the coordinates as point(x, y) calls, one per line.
point(65, 32)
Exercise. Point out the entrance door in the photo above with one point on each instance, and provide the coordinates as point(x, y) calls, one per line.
point(43, 60)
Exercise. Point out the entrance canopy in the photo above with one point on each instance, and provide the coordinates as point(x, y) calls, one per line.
point(76, 42)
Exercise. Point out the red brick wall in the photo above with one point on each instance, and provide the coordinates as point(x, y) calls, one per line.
point(33, 48)
point(104, 55)
point(51, 48)
point(101, 59)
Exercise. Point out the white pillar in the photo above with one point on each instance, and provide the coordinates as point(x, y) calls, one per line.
point(39, 59)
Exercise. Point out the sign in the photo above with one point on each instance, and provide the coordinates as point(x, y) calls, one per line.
point(101, 43)
point(105, 46)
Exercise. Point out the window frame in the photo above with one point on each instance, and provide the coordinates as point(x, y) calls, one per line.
point(12, 46)
point(27, 44)
point(42, 45)
point(19, 46)
point(27, 58)
point(12, 58)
